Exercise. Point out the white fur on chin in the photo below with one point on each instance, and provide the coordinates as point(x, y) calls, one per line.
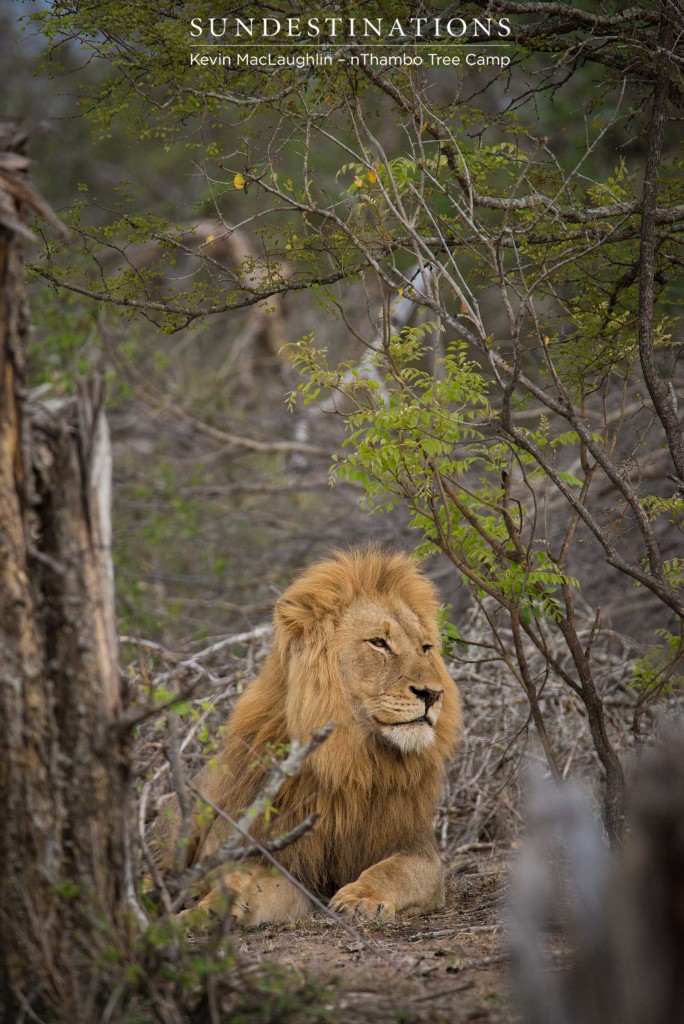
point(410, 739)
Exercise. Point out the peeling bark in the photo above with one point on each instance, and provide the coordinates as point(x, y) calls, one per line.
point(62, 770)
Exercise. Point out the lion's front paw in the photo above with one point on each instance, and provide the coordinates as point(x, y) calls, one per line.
point(255, 896)
point(235, 896)
point(358, 898)
point(245, 894)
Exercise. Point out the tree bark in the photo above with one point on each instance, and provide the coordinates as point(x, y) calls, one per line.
point(63, 779)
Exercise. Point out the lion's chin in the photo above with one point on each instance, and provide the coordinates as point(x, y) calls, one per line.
point(410, 738)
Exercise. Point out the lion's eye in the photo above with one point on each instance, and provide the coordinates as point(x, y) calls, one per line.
point(379, 643)
point(426, 648)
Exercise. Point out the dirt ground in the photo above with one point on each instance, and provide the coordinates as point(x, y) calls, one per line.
point(447, 966)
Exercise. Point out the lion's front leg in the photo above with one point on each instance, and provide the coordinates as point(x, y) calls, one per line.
point(258, 895)
point(408, 882)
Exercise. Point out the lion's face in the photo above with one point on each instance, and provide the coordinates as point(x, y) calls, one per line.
point(391, 669)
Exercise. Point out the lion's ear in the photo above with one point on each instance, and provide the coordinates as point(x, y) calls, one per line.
point(294, 617)
point(316, 597)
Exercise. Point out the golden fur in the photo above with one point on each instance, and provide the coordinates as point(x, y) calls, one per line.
point(356, 641)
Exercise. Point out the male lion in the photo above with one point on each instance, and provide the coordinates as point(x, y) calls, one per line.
point(356, 641)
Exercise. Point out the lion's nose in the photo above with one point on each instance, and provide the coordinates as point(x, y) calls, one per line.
point(429, 696)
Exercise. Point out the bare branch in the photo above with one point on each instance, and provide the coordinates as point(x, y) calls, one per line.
point(663, 397)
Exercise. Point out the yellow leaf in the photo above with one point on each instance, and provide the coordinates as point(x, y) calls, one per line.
point(239, 181)
point(358, 182)
point(210, 238)
point(372, 176)
point(546, 339)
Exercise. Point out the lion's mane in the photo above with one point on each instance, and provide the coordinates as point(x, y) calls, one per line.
point(371, 798)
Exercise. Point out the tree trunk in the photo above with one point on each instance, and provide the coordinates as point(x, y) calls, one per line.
point(62, 770)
